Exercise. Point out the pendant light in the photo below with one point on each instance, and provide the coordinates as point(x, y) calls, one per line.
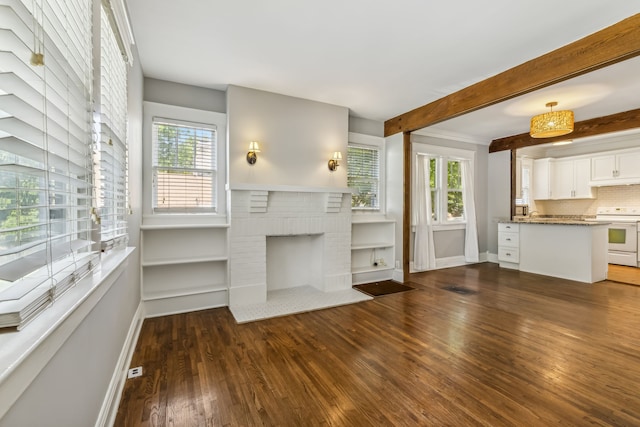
point(553, 123)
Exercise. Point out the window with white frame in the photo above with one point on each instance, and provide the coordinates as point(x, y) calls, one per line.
point(364, 171)
point(112, 149)
point(45, 153)
point(184, 166)
point(445, 183)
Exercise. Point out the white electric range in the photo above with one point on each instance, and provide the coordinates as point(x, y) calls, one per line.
point(624, 234)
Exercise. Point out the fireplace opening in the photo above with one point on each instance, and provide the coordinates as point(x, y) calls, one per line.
point(294, 261)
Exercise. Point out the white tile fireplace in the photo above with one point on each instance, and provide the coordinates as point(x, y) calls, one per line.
point(287, 237)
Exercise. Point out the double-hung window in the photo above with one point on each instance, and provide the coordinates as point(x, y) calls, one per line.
point(112, 178)
point(45, 152)
point(364, 172)
point(184, 166)
point(445, 182)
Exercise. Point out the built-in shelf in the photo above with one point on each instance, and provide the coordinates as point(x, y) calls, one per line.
point(372, 241)
point(215, 287)
point(372, 245)
point(184, 267)
point(175, 261)
point(370, 269)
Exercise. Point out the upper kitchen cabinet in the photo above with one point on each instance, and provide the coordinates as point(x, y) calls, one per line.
point(571, 179)
point(543, 172)
point(616, 168)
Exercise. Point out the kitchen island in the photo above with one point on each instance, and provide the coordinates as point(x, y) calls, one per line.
point(568, 249)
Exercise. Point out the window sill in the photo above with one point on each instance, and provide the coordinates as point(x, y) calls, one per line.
point(26, 352)
point(449, 227)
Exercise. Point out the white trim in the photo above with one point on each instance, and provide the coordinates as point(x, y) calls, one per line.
point(291, 188)
point(177, 113)
point(453, 261)
point(185, 303)
point(492, 257)
point(117, 13)
point(109, 409)
point(398, 276)
point(27, 352)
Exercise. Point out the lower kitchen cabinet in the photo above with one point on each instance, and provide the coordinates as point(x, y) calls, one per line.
point(509, 245)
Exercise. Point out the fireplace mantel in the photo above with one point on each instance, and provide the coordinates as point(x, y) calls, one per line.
point(289, 188)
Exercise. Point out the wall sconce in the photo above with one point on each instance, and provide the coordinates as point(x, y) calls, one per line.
point(254, 148)
point(334, 162)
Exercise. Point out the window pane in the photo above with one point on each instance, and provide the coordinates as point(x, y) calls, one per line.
point(363, 170)
point(433, 183)
point(184, 167)
point(455, 208)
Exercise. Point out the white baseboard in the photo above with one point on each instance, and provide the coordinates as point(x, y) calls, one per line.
point(492, 257)
point(185, 303)
point(398, 275)
point(455, 261)
point(110, 405)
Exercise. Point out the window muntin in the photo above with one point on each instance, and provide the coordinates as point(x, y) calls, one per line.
point(363, 176)
point(184, 166)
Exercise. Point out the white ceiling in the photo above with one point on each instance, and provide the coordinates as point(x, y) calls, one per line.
point(383, 58)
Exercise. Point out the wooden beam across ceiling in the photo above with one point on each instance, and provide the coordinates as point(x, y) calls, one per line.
point(598, 126)
point(613, 44)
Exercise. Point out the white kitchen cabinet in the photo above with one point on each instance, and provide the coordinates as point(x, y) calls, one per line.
point(184, 268)
point(542, 179)
point(616, 168)
point(518, 178)
point(571, 178)
point(372, 249)
point(509, 245)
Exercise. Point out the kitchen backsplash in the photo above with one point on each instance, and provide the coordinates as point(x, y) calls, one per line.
point(623, 196)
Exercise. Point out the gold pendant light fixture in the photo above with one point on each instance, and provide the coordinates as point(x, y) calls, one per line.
point(553, 123)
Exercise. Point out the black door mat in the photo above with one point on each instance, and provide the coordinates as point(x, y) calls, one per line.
point(382, 288)
point(459, 290)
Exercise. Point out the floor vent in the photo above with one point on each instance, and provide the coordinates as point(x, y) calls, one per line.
point(460, 290)
point(134, 372)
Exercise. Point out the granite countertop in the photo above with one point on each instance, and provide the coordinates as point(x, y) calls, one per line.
point(556, 220)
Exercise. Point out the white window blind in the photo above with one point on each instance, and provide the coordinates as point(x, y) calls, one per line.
point(112, 179)
point(45, 152)
point(184, 166)
point(363, 176)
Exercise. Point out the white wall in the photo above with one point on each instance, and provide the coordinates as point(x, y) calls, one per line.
point(181, 95)
point(297, 137)
point(499, 198)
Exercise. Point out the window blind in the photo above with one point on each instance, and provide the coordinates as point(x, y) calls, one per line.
point(45, 152)
point(184, 166)
point(363, 176)
point(112, 179)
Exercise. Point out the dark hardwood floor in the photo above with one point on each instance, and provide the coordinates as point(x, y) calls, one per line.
point(525, 350)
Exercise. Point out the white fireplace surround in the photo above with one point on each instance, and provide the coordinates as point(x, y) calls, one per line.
point(258, 212)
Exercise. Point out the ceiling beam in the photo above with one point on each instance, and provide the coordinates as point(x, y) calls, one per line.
point(598, 126)
point(613, 44)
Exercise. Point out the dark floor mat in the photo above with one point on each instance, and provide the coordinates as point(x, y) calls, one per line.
point(459, 290)
point(382, 288)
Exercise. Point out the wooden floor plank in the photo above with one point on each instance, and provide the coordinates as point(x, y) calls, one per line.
point(523, 350)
